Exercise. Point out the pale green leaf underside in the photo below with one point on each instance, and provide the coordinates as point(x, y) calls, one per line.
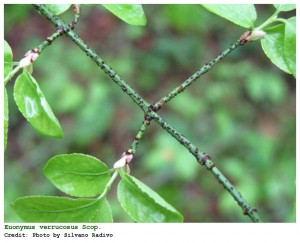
point(34, 106)
point(8, 59)
point(58, 8)
point(42, 209)
point(240, 14)
point(285, 7)
point(130, 13)
point(273, 46)
point(290, 44)
point(77, 174)
point(143, 204)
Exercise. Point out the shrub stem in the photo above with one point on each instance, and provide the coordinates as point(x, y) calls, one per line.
point(201, 157)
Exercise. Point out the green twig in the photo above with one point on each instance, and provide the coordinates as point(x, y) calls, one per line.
point(108, 185)
point(269, 21)
point(49, 40)
point(201, 157)
point(157, 105)
point(90, 53)
point(11, 74)
point(205, 160)
point(139, 135)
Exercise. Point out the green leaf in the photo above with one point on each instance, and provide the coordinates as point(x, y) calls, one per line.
point(240, 14)
point(8, 59)
point(130, 13)
point(42, 209)
point(290, 44)
point(273, 46)
point(34, 106)
point(6, 118)
point(285, 7)
point(58, 8)
point(143, 204)
point(78, 175)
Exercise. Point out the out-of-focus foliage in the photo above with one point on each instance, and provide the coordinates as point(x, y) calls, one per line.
point(242, 112)
point(130, 13)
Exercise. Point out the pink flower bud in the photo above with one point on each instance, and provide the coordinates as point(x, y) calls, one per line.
point(29, 57)
point(34, 57)
point(129, 157)
point(126, 159)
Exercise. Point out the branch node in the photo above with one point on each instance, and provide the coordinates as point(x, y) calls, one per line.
point(71, 25)
point(243, 39)
point(147, 118)
point(248, 211)
point(76, 8)
point(61, 30)
point(204, 159)
point(180, 88)
point(129, 151)
point(155, 107)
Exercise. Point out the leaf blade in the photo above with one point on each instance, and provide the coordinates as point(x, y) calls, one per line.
point(8, 58)
point(78, 175)
point(58, 8)
point(290, 44)
point(34, 106)
point(41, 209)
point(142, 204)
point(130, 13)
point(240, 14)
point(273, 46)
point(285, 7)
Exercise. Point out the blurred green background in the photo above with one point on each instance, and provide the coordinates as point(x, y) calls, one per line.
point(242, 113)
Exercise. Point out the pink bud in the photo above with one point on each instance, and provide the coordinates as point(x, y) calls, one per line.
point(126, 159)
point(129, 157)
point(34, 57)
point(28, 53)
point(28, 59)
